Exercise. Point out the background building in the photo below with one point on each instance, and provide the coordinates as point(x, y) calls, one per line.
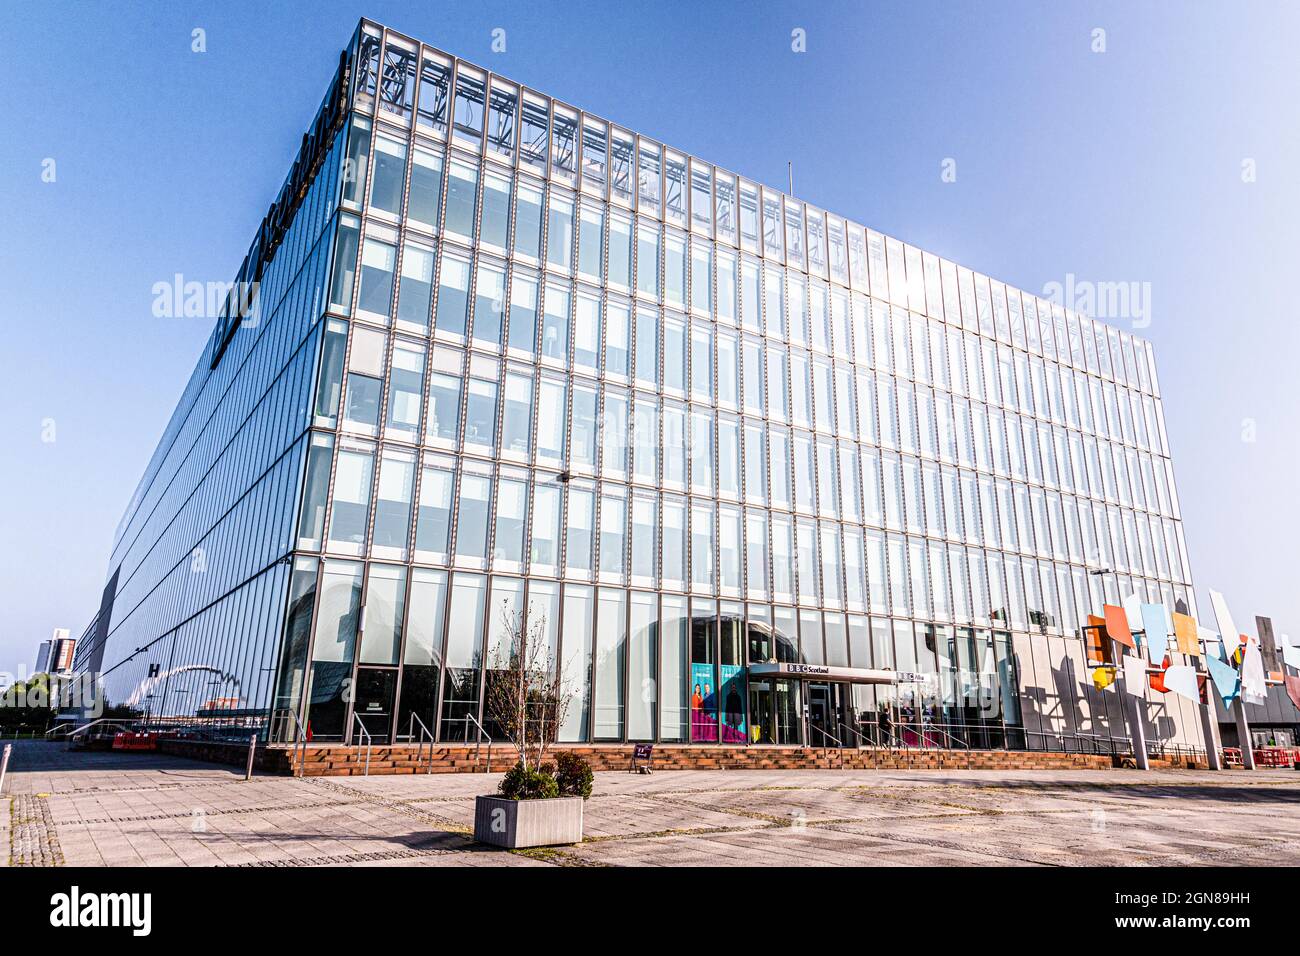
point(55, 655)
point(738, 455)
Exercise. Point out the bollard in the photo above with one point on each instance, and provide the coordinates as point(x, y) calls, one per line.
point(4, 765)
point(252, 750)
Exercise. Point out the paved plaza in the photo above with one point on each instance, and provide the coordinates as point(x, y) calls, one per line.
point(95, 809)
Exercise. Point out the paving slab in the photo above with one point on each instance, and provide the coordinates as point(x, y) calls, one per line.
point(112, 809)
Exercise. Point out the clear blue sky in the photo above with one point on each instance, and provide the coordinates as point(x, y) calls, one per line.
point(1123, 165)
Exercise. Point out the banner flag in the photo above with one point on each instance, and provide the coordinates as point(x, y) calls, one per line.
point(1155, 624)
point(1268, 647)
point(1254, 689)
point(1135, 675)
point(1225, 677)
point(1226, 627)
point(1181, 680)
point(1103, 677)
point(1290, 654)
point(1213, 643)
point(1132, 605)
point(1185, 632)
point(1293, 689)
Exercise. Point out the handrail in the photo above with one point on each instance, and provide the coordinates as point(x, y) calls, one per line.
point(478, 743)
point(369, 740)
point(861, 739)
point(1096, 740)
point(424, 733)
point(954, 742)
point(299, 741)
point(125, 725)
point(829, 736)
point(66, 723)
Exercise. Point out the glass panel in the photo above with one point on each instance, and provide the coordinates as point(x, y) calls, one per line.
point(393, 505)
point(351, 510)
point(611, 651)
point(460, 693)
point(385, 599)
point(575, 651)
point(433, 519)
point(642, 655)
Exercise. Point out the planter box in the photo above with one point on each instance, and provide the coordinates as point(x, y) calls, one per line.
point(515, 824)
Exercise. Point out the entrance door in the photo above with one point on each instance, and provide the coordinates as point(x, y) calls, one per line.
point(373, 704)
point(821, 716)
point(828, 715)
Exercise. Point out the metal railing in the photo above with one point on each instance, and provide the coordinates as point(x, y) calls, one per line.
point(425, 734)
point(478, 743)
point(827, 735)
point(125, 726)
point(298, 739)
point(365, 735)
point(1095, 744)
point(862, 740)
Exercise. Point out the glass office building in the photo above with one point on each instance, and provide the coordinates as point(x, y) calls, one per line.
point(761, 474)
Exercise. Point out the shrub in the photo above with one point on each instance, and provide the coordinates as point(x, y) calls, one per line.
point(573, 775)
point(520, 783)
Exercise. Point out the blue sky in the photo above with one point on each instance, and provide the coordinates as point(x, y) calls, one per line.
point(1123, 165)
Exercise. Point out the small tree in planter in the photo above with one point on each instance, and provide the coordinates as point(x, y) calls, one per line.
point(524, 691)
point(525, 697)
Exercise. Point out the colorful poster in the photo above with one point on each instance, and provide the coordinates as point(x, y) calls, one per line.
point(732, 698)
point(704, 704)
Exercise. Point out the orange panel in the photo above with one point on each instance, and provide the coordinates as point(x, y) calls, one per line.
point(1098, 648)
point(1187, 635)
point(1117, 625)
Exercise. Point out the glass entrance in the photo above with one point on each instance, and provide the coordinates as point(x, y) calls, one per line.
point(373, 704)
point(827, 715)
point(774, 711)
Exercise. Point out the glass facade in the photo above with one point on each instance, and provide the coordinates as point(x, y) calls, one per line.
point(524, 361)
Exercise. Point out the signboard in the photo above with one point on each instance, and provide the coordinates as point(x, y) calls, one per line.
point(852, 675)
point(704, 704)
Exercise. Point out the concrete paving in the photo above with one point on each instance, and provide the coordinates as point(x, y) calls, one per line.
point(114, 809)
